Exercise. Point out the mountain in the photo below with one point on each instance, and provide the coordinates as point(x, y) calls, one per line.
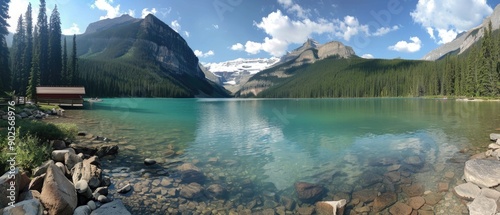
point(140, 57)
point(465, 39)
point(309, 53)
point(235, 73)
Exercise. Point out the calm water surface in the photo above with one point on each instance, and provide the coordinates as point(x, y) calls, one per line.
point(276, 143)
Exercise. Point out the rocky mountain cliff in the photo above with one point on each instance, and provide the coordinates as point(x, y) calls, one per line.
point(147, 44)
point(466, 39)
point(310, 52)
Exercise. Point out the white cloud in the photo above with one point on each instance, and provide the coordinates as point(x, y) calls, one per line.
point(105, 5)
point(367, 56)
point(216, 26)
point(186, 33)
point(448, 16)
point(237, 47)
point(74, 29)
point(253, 47)
point(131, 13)
point(385, 30)
point(199, 53)
point(146, 11)
point(404, 46)
point(430, 31)
point(350, 27)
point(16, 8)
point(165, 11)
point(295, 8)
point(175, 25)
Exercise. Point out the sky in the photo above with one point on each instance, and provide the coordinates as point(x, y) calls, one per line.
point(221, 30)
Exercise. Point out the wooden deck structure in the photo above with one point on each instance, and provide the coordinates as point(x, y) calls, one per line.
point(62, 96)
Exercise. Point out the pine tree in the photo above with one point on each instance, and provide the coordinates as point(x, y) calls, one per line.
point(34, 79)
point(55, 58)
point(74, 76)
point(28, 51)
point(64, 72)
point(4, 51)
point(18, 46)
point(43, 43)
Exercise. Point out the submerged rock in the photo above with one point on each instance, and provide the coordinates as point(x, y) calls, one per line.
point(190, 173)
point(149, 161)
point(330, 207)
point(191, 191)
point(383, 201)
point(308, 192)
point(485, 173)
point(115, 207)
point(400, 209)
point(125, 189)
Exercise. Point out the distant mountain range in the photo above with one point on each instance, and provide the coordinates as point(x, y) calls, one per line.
point(146, 58)
point(466, 39)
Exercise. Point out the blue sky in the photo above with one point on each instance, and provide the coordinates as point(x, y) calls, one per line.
point(220, 30)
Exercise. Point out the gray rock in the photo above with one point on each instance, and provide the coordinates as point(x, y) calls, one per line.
point(125, 189)
point(88, 171)
point(58, 155)
point(82, 188)
point(31, 207)
point(37, 183)
point(308, 192)
point(59, 145)
point(149, 161)
point(62, 167)
point(493, 146)
point(216, 191)
point(28, 195)
point(102, 191)
point(484, 173)
point(482, 206)
point(191, 191)
point(106, 181)
point(490, 193)
point(82, 210)
point(494, 136)
point(103, 199)
point(115, 207)
point(92, 205)
point(467, 191)
point(42, 168)
point(58, 194)
point(190, 173)
point(71, 159)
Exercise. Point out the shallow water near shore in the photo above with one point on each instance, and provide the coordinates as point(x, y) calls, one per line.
point(258, 148)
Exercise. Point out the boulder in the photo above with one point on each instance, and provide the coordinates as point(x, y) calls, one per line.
point(82, 210)
point(482, 206)
point(191, 191)
point(490, 193)
point(42, 168)
point(71, 159)
point(467, 191)
point(484, 173)
point(308, 192)
point(62, 167)
point(331, 207)
point(216, 191)
point(190, 173)
point(433, 198)
point(102, 191)
point(31, 207)
point(28, 195)
point(400, 209)
point(58, 144)
point(107, 150)
point(82, 188)
point(115, 207)
point(9, 187)
point(88, 171)
point(103, 199)
point(494, 137)
point(385, 200)
point(58, 194)
point(58, 155)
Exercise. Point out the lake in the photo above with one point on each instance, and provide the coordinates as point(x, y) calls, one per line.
point(257, 149)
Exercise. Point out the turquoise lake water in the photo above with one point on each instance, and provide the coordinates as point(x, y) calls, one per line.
point(276, 143)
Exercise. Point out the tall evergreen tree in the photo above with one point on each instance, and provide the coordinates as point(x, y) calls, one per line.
point(43, 44)
point(55, 56)
point(64, 73)
point(4, 51)
point(74, 76)
point(18, 46)
point(28, 51)
point(34, 79)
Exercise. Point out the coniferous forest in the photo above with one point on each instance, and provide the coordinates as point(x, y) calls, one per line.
point(475, 73)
